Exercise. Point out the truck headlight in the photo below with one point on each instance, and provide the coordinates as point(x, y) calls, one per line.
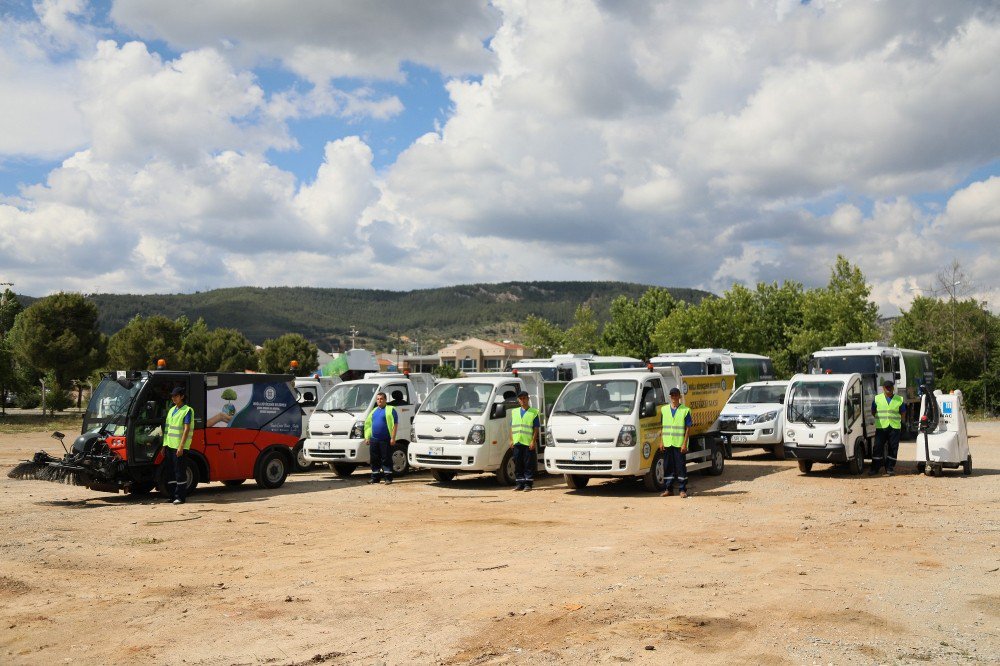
point(765, 417)
point(790, 435)
point(626, 436)
point(477, 435)
point(549, 439)
point(832, 437)
point(413, 437)
point(358, 430)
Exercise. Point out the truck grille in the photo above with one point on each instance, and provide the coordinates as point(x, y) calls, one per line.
point(327, 455)
point(440, 460)
point(587, 465)
point(584, 442)
point(441, 438)
point(329, 433)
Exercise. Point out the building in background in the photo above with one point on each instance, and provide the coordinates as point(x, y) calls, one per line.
point(477, 355)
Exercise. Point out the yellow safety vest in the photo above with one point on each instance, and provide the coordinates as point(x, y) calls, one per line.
point(390, 420)
point(887, 412)
point(522, 428)
point(175, 427)
point(673, 426)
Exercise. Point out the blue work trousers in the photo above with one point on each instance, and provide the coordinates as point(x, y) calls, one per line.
point(380, 452)
point(886, 448)
point(524, 465)
point(675, 467)
point(176, 472)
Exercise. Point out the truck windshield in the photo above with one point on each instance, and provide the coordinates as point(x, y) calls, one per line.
point(548, 373)
point(746, 395)
point(458, 397)
point(814, 402)
point(845, 365)
point(348, 397)
point(687, 368)
point(108, 404)
point(614, 396)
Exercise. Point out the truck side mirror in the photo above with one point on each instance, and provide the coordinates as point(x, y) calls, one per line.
point(781, 399)
point(498, 411)
point(648, 409)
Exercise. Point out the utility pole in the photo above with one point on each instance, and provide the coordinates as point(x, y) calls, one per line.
point(354, 333)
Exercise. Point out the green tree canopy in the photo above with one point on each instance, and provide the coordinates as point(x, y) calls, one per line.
point(218, 350)
point(143, 341)
point(277, 354)
point(10, 307)
point(630, 329)
point(542, 336)
point(584, 336)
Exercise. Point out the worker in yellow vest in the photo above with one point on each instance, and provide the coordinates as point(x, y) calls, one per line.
point(524, 426)
point(888, 410)
point(380, 436)
point(676, 423)
point(177, 437)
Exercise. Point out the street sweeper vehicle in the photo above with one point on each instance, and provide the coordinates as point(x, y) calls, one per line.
point(943, 440)
point(245, 426)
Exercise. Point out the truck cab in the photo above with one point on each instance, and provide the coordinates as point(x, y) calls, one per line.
point(828, 419)
point(754, 416)
point(608, 425)
point(464, 425)
point(336, 427)
point(309, 391)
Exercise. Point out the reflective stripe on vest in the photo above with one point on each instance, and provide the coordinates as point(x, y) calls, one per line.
point(175, 427)
point(672, 429)
point(390, 420)
point(887, 412)
point(522, 428)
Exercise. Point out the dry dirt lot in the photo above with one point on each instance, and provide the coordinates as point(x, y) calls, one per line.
point(761, 565)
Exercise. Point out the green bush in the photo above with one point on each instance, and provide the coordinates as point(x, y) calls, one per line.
point(29, 399)
point(58, 400)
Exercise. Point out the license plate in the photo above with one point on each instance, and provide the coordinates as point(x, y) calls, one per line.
point(580, 456)
point(738, 439)
point(436, 450)
point(323, 446)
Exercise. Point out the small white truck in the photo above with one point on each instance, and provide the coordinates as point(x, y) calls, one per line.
point(608, 425)
point(746, 367)
point(336, 427)
point(754, 416)
point(564, 367)
point(828, 419)
point(464, 425)
point(309, 391)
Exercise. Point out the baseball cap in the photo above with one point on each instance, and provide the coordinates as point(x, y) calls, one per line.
point(888, 384)
point(178, 390)
point(674, 391)
point(523, 394)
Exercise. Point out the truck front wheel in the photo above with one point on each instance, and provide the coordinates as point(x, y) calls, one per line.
point(718, 460)
point(805, 466)
point(655, 479)
point(163, 483)
point(301, 464)
point(442, 475)
point(400, 465)
point(343, 470)
point(779, 451)
point(576, 481)
point(505, 475)
point(272, 470)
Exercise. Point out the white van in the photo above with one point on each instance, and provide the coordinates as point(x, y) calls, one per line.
point(564, 367)
point(336, 427)
point(754, 416)
point(828, 419)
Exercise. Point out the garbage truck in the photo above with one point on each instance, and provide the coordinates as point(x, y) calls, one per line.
point(337, 425)
point(608, 425)
point(464, 425)
point(564, 367)
point(245, 426)
point(746, 367)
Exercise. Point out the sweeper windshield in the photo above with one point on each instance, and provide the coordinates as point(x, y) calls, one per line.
point(109, 405)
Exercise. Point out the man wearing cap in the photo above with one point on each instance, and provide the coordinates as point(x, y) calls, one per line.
point(380, 435)
point(524, 426)
point(178, 433)
point(676, 423)
point(888, 410)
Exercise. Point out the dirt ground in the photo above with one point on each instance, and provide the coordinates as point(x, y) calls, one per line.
point(762, 565)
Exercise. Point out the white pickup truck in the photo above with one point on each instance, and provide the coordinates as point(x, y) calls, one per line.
point(336, 427)
point(754, 416)
point(464, 425)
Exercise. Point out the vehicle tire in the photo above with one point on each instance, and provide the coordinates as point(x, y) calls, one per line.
point(343, 470)
point(779, 452)
point(805, 466)
point(967, 466)
point(857, 463)
point(271, 469)
point(232, 483)
point(141, 489)
point(718, 461)
point(400, 465)
point(576, 481)
point(442, 475)
point(299, 452)
point(505, 475)
point(163, 486)
point(929, 469)
point(655, 480)
point(921, 466)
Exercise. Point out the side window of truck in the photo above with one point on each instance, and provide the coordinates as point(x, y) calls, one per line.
point(853, 407)
point(653, 391)
point(509, 393)
point(397, 394)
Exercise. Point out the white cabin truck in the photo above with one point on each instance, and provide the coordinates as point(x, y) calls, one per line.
point(746, 367)
point(875, 362)
point(608, 425)
point(464, 425)
point(828, 419)
point(564, 367)
point(754, 417)
point(336, 427)
point(309, 391)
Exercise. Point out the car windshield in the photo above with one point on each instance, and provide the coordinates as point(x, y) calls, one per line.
point(613, 396)
point(461, 397)
point(845, 365)
point(548, 373)
point(814, 402)
point(687, 368)
point(108, 404)
point(746, 395)
point(348, 397)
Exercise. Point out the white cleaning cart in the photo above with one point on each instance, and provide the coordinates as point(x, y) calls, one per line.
point(943, 441)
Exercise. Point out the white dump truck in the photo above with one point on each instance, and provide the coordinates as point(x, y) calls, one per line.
point(336, 427)
point(309, 391)
point(746, 367)
point(754, 416)
point(608, 425)
point(464, 425)
point(828, 419)
point(564, 367)
point(876, 363)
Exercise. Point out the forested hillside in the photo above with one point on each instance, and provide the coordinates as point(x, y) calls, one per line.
point(427, 316)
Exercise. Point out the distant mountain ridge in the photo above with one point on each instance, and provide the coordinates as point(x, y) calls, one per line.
point(429, 316)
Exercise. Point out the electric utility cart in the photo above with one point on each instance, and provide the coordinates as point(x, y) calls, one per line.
point(943, 440)
point(245, 426)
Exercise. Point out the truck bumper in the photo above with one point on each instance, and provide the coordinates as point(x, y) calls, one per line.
point(456, 457)
point(834, 453)
point(334, 450)
point(604, 461)
point(756, 437)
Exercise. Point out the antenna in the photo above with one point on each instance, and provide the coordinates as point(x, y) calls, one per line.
point(354, 333)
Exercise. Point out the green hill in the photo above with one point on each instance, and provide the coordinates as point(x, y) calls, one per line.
point(429, 316)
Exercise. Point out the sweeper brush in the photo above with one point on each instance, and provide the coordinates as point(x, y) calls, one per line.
point(44, 467)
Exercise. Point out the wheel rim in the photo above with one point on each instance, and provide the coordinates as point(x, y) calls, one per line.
point(301, 457)
point(511, 474)
point(398, 461)
point(189, 477)
point(274, 470)
point(659, 472)
point(718, 459)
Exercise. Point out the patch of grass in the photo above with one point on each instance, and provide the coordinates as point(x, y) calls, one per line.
point(11, 423)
